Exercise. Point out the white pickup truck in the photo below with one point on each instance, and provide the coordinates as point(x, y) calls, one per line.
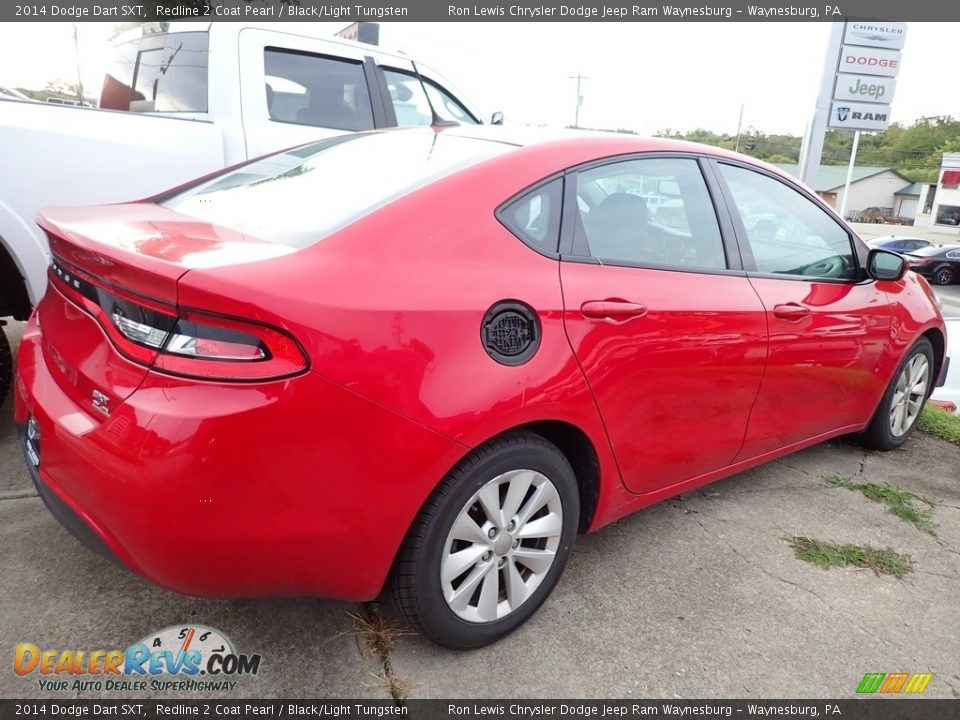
point(184, 99)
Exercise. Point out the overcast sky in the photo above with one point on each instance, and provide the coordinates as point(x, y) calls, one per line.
point(642, 76)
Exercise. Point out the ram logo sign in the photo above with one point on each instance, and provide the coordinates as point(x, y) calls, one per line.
point(859, 116)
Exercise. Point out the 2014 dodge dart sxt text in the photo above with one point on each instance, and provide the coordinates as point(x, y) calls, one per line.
point(427, 359)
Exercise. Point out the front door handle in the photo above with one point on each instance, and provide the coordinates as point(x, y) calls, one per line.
point(613, 309)
point(791, 311)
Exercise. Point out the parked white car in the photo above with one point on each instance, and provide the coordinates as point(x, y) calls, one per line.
point(950, 392)
point(184, 99)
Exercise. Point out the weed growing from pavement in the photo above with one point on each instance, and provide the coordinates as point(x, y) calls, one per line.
point(380, 635)
point(827, 555)
point(938, 422)
point(915, 509)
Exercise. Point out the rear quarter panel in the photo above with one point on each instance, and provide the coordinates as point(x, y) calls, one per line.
point(391, 308)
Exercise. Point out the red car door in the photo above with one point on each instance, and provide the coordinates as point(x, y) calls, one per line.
point(668, 330)
point(828, 327)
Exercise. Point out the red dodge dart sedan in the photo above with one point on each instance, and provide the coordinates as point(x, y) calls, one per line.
point(425, 360)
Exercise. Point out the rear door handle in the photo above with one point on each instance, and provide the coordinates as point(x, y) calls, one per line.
point(613, 309)
point(791, 311)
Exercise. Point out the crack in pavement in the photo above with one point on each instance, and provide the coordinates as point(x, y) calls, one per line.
point(17, 494)
point(842, 616)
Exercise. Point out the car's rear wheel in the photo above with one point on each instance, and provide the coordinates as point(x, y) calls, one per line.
point(900, 408)
point(943, 276)
point(6, 365)
point(490, 543)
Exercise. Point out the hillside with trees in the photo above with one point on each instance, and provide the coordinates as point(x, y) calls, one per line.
point(913, 150)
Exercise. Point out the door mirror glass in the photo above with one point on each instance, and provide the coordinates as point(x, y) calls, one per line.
point(884, 265)
point(496, 118)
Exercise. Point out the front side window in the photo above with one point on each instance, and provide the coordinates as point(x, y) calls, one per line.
point(788, 233)
point(411, 106)
point(162, 73)
point(316, 90)
point(649, 212)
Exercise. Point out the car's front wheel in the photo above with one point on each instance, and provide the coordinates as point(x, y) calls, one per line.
point(943, 276)
point(490, 543)
point(899, 410)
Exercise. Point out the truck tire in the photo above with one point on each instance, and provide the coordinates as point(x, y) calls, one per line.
point(6, 366)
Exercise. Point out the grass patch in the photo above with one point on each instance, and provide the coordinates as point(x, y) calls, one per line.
point(827, 555)
point(915, 509)
point(380, 635)
point(939, 423)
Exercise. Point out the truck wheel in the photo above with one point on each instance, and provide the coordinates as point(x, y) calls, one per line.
point(6, 365)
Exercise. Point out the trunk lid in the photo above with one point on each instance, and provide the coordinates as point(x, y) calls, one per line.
point(113, 283)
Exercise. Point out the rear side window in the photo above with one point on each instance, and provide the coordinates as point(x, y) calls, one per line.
point(298, 197)
point(164, 73)
point(534, 217)
point(316, 90)
point(648, 212)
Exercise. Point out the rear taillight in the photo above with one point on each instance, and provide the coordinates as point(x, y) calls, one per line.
point(185, 342)
point(919, 261)
point(210, 346)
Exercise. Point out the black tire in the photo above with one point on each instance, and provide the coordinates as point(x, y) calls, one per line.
point(943, 275)
point(415, 581)
point(6, 366)
point(879, 434)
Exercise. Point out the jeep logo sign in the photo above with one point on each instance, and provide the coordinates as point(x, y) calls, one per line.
point(859, 116)
point(869, 61)
point(864, 88)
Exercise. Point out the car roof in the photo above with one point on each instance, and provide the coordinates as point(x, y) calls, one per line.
point(935, 249)
point(591, 144)
point(897, 238)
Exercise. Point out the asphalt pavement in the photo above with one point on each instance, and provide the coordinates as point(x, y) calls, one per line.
point(700, 596)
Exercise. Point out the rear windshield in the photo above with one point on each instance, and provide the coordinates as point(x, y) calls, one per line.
point(298, 197)
point(158, 73)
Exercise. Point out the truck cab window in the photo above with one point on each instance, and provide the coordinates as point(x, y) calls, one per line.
point(411, 106)
point(309, 89)
point(164, 73)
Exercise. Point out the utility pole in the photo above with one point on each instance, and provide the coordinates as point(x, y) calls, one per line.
point(736, 147)
point(76, 50)
point(576, 112)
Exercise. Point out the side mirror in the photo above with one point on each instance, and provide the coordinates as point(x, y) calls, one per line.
point(496, 118)
point(886, 265)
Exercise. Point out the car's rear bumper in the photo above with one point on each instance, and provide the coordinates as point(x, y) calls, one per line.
point(298, 487)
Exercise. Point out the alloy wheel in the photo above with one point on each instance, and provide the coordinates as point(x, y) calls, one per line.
point(944, 276)
point(910, 394)
point(502, 545)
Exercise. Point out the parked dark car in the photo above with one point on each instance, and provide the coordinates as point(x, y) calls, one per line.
point(941, 265)
point(899, 244)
